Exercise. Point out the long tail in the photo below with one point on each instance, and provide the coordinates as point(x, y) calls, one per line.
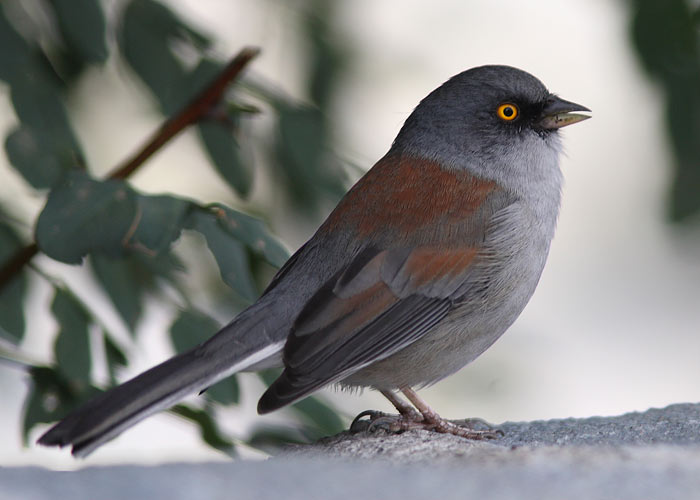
point(117, 409)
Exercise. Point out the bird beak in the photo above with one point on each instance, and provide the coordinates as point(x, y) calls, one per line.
point(557, 113)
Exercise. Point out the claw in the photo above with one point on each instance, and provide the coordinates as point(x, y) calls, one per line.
point(358, 425)
point(387, 423)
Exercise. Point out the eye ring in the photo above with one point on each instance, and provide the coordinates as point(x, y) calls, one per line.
point(507, 111)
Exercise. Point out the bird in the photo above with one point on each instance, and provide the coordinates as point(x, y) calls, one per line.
point(423, 264)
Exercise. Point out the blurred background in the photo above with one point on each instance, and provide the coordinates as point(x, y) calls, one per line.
point(612, 328)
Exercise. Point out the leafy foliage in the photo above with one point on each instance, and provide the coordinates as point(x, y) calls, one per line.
point(72, 347)
point(82, 25)
point(126, 280)
point(192, 328)
point(207, 428)
point(84, 215)
point(301, 159)
point(314, 413)
point(12, 295)
point(43, 145)
point(50, 397)
point(667, 37)
point(229, 253)
point(129, 238)
point(150, 38)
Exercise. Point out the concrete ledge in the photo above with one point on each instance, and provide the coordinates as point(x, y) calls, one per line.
point(655, 454)
point(674, 425)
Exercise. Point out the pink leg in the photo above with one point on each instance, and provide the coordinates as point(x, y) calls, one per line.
point(404, 408)
point(393, 423)
point(425, 418)
point(433, 421)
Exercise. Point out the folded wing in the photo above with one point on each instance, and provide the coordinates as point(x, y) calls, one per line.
point(381, 302)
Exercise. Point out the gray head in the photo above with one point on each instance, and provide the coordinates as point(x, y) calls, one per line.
point(494, 120)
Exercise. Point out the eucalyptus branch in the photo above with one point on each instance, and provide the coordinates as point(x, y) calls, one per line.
point(197, 109)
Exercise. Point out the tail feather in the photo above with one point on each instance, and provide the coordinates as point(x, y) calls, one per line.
point(117, 409)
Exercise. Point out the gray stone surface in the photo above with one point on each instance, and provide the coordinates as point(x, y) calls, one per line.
point(655, 454)
point(674, 425)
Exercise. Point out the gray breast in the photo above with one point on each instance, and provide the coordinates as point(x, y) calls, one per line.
point(504, 280)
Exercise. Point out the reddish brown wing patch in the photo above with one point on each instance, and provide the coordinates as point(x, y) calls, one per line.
point(348, 314)
point(405, 194)
point(339, 313)
point(425, 266)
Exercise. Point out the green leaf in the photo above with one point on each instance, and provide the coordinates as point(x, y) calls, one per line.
point(667, 40)
point(268, 376)
point(229, 253)
point(192, 328)
point(127, 279)
point(125, 290)
point(12, 323)
point(160, 219)
point(203, 74)
point(72, 347)
point(217, 134)
point(27, 151)
point(146, 30)
point(163, 266)
point(45, 136)
point(44, 146)
point(312, 409)
point(226, 392)
point(82, 24)
point(42, 404)
point(84, 215)
point(321, 415)
point(149, 31)
point(50, 398)
point(225, 154)
point(302, 147)
point(15, 50)
point(37, 102)
point(207, 428)
point(273, 439)
point(252, 232)
point(326, 56)
point(300, 139)
point(115, 358)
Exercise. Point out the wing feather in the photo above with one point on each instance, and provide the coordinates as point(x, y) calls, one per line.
point(378, 304)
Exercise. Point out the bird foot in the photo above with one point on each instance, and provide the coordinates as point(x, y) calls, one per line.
point(376, 420)
point(467, 428)
point(385, 421)
point(476, 429)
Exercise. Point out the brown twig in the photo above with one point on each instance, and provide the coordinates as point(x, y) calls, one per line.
point(197, 109)
point(16, 263)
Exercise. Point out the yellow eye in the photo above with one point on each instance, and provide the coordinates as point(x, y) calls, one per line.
point(507, 111)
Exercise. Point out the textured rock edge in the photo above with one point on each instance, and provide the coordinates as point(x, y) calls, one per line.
point(632, 435)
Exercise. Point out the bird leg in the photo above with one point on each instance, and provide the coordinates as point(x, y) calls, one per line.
point(432, 421)
point(404, 408)
point(424, 418)
point(392, 423)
